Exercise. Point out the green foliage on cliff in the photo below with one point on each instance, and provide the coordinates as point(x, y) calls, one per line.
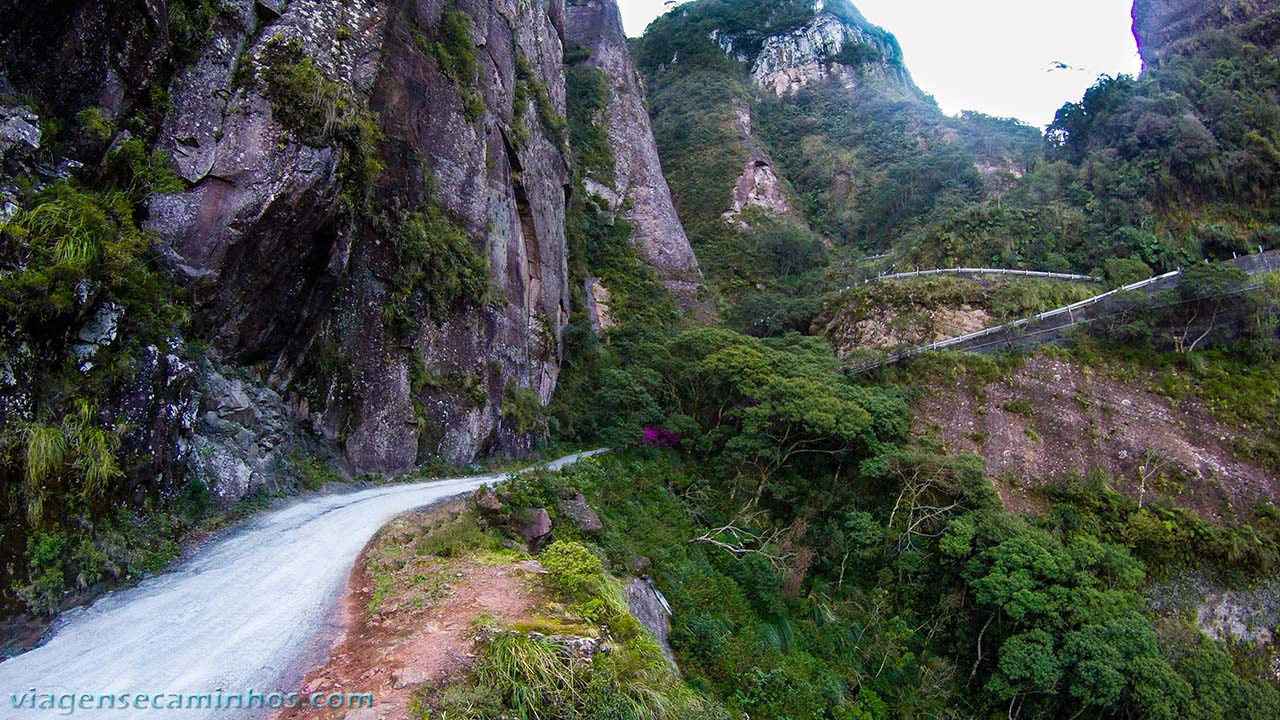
point(321, 112)
point(692, 118)
point(600, 250)
point(437, 270)
point(868, 163)
point(682, 39)
point(587, 91)
point(71, 254)
point(1174, 166)
point(532, 91)
point(521, 409)
point(454, 54)
point(598, 237)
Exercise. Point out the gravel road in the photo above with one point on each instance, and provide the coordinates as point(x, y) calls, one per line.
point(250, 611)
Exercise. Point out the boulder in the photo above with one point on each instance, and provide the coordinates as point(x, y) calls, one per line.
point(19, 133)
point(575, 508)
point(537, 529)
point(487, 499)
point(648, 609)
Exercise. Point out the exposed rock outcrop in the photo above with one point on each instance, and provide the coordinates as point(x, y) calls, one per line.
point(1241, 614)
point(598, 309)
point(1163, 26)
point(837, 42)
point(649, 610)
point(582, 515)
point(503, 177)
point(758, 186)
point(638, 185)
point(287, 237)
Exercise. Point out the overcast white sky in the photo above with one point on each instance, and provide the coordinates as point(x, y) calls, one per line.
point(992, 55)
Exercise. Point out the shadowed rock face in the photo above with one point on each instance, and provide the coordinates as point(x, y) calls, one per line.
point(274, 259)
point(1162, 26)
point(638, 179)
point(510, 194)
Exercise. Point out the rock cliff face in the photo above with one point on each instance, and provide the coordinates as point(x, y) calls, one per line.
point(758, 186)
point(289, 230)
point(638, 184)
point(1163, 26)
point(837, 42)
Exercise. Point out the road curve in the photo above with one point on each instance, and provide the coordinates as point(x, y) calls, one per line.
point(250, 611)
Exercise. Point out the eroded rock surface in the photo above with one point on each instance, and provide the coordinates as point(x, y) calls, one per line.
point(289, 253)
point(1162, 26)
point(638, 186)
point(758, 186)
point(837, 42)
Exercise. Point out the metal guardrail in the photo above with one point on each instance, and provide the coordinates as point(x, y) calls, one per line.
point(1264, 261)
point(986, 271)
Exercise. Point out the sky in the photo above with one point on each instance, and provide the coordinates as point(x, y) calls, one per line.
point(1008, 58)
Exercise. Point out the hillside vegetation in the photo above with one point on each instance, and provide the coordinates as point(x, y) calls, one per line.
point(942, 539)
point(828, 549)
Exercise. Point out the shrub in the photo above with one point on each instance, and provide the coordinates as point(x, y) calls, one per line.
point(312, 472)
point(457, 536)
point(438, 270)
point(1125, 271)
point(1021, 407)
point(572, 569)
point(95, 127)
point(140, 174)
point(46, 577)
point(659, 437)
point(319, 112)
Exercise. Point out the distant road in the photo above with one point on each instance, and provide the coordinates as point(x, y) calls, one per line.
point(1049, 327)
point(250, 611)
point(981, 272)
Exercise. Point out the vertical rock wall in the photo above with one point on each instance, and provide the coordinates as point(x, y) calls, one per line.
point(505, 187)
point(1163, 25)
point(639, 185)
point(288, 262)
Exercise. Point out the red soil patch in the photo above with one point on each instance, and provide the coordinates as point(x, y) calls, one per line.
point(421, 635)
point(1079, 420)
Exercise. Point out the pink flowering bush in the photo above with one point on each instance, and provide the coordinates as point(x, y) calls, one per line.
point(659, 437)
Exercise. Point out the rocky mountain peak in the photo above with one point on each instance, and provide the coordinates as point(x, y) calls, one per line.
point(836, 41)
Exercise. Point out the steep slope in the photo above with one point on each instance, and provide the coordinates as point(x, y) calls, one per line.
point(633, 183)
point(1151, 169)
point(334, 133)
point(1174, 166)
point(1173, 26)
point(804, 114)
point(444, 87)
point(244, 233)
